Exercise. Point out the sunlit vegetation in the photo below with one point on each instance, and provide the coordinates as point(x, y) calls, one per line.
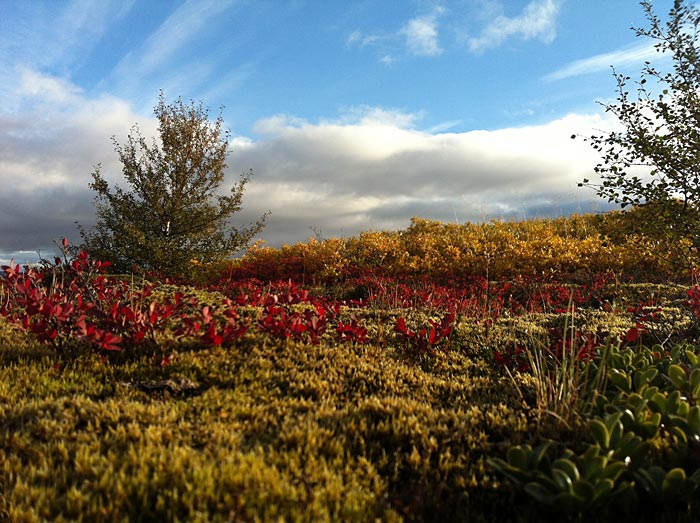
point(573, 248)
point(490, 372)
point(540, 370)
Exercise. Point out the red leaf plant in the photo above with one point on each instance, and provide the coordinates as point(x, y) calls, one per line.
point(693, 301)
point(282, 323)
point(427, 339)
point(66, 302)
point(351, 332)
point(213, 331)
point(513, 358)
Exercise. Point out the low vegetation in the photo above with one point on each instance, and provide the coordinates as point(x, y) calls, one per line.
point(355, 389)
point(509, 371)
point(569, 249)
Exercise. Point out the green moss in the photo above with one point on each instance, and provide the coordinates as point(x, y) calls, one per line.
point(273, 430)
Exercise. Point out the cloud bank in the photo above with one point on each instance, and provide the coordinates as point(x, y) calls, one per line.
point(376, 173)
point(49, 146)
point(372, 168)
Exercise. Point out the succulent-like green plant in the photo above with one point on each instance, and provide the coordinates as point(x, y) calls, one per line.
point(668, 485)
point(571, 483)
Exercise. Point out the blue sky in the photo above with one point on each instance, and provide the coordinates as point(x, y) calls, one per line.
point(353, 115)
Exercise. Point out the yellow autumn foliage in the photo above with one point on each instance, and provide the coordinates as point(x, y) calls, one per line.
point(576, 246)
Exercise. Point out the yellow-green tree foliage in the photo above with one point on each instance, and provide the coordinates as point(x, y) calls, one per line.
point(650, 161)
point(173, 212)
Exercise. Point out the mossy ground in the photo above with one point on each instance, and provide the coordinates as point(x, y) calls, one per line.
point(265, 430)
point(256, 432)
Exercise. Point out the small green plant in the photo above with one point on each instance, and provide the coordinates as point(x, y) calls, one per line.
point(611, 437)
point(641, 444)
point(669, 485)
point(571, 483)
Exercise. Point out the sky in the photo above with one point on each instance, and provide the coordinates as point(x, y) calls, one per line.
point(352, 114)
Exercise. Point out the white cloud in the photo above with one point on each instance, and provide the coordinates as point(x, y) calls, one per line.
point(152, 62)
point(46, 88)
point(422, 35)
point(58, 39)
point(48, 150)
point(443, 126)
point(368, 115)
point(419, 36)
point(362, 40)
point(349, 176)
point(354, 37)
point(383, 44)
point(538, 20)
point(83, 23)
point(369, 168)
point(635, 54)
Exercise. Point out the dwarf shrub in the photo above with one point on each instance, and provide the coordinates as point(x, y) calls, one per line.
point(575, 247)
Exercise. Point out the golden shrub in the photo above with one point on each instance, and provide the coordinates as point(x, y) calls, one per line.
point(574, 246)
